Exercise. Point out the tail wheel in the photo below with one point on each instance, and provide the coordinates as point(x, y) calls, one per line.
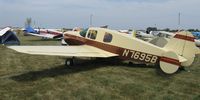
point(169, 63)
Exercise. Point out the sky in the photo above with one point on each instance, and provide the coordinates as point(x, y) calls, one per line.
point(118, 14)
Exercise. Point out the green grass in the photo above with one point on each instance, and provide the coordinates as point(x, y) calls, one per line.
point(32, 77)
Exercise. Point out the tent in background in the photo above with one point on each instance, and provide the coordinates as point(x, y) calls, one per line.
point(8, 37)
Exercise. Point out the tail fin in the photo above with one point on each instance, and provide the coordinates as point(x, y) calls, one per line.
point(29, 29)
point(183, 44)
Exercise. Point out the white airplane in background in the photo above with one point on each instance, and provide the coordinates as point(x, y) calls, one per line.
point(94, 42)
point(154, 34)
point(159, 38)
point(45, 33)
point(144, 36)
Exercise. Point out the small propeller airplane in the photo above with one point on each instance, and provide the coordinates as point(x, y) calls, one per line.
point(45, 33)
point(95, 42)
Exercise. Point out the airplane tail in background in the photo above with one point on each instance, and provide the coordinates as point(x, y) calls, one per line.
point(183, 44)
point(29, 29)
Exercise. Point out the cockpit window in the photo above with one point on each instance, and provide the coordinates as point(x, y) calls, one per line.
point(92, 34)
point(107, 37)
point(83, 33)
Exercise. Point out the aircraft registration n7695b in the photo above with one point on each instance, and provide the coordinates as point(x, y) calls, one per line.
point(105, 43)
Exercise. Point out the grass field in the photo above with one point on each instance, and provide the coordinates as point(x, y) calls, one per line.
point(32, 77)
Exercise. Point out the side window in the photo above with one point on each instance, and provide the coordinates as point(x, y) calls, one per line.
point(83, 33)
point(107, 37)
point(92, 34)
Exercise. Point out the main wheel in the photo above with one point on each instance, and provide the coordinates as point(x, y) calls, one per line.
point(69, 62)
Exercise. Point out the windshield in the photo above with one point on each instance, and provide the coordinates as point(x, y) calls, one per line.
point(83, 33)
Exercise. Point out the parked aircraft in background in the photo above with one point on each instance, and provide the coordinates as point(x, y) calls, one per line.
point(144, 36)
point(162, 34)
point(105, 43)
point(45, 33)
point(196, 35)
point(153, 34)
point(160, 38)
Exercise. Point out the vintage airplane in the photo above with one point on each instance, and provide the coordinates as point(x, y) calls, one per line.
point(105, 43)
point(45, 33)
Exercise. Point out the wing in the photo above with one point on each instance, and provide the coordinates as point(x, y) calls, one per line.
point(67, 51)
point(42, 35)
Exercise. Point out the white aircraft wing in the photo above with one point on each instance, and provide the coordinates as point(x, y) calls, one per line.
point(42, 35)
point(144, 35)
point(55, 30)
point(67, 51)
point(168, 33)
point(3, 31)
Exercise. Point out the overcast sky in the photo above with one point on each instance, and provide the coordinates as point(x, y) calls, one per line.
point(118, 14)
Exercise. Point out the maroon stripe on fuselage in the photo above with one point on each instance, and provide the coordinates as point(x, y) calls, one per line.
point(82, 40)
point(76, 40)
point(188, 38)
point(170, 60)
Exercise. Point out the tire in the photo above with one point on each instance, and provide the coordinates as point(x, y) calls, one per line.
point(69, 62)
